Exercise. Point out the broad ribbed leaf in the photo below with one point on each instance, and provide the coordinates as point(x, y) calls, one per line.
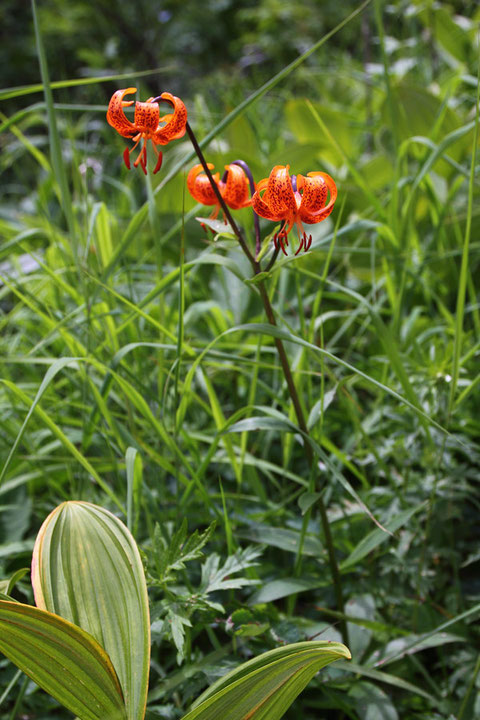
point(87, 569)
point(62, 659)
point(265, 687)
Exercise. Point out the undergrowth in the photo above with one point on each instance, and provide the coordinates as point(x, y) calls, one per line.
point(138, 372)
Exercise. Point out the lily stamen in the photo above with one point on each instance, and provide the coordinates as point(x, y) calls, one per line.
point(294, 200)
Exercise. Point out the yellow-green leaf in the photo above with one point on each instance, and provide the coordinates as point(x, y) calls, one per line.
point(87, 569)
point(265, 687)
point(62, 659)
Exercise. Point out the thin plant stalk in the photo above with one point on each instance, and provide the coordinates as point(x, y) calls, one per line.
point(256, 267)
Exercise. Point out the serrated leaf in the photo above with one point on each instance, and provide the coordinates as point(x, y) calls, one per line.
point(173, 553)
point(177, 624)
point(242, 616)
point(87, 569)
point(63, 659)
point(265, 687)
point(216, 577)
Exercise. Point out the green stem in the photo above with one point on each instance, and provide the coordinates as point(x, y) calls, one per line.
point(337, 582)
point(471, 685)
point(257, 269)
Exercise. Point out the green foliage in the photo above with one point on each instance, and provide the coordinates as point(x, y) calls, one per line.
point(151, 385)
point(177, 604)
point(172, 553)
point(81, 557)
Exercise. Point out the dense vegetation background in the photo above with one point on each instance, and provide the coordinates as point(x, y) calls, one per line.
point(105, 395)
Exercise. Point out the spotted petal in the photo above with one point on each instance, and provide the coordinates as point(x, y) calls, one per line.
point(279, 195)
point(199, 185)
point(146, 117)
point(278, 201)
point(176, 122)
point(260, 206)
point(235, 190)
point(314, 208)
point(115, 115)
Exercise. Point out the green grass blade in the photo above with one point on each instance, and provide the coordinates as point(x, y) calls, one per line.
point(55, 145)
point(20, 90)
point(377, 537)
point(274, 331)
point(439, 630)
point(464, 268)
point(45, 417)
point(49, 376)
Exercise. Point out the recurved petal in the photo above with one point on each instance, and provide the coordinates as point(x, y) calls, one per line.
point(314, 193)
point(176, 122)
point(259, 204)
point(146, 117)
point(115, 115)
point(236, 191)
point(199, 185)
point(279, 195)
point(313, 208)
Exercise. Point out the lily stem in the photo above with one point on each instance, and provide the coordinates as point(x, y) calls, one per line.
point(256, 267)
point(337, 582)
point(223, 205)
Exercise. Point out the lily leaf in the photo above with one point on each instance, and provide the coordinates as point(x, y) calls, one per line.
point(87, 569)
point(265, 687)
point(62, 659)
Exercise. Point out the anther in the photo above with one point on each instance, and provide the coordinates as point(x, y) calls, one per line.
point(281, 237)
point(159, 163)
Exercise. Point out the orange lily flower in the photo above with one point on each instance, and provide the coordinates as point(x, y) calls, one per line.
point(146, 124)
point(293, 200)
point(233, 187)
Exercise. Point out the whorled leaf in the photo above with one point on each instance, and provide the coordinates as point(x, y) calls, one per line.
point(62, 659)
point(87, 569)
point(265, 687)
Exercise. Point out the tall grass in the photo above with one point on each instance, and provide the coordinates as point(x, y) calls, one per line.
point(138, 371)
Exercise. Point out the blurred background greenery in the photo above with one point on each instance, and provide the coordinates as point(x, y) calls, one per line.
point(200, 44)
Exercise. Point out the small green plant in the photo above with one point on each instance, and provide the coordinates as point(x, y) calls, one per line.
point(87, 642)
point(178, 604)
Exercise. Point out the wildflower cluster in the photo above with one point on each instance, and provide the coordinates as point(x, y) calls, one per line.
point(282, 198)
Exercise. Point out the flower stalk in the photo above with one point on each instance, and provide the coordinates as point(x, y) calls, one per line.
point(223, 205)
point(257, 269)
